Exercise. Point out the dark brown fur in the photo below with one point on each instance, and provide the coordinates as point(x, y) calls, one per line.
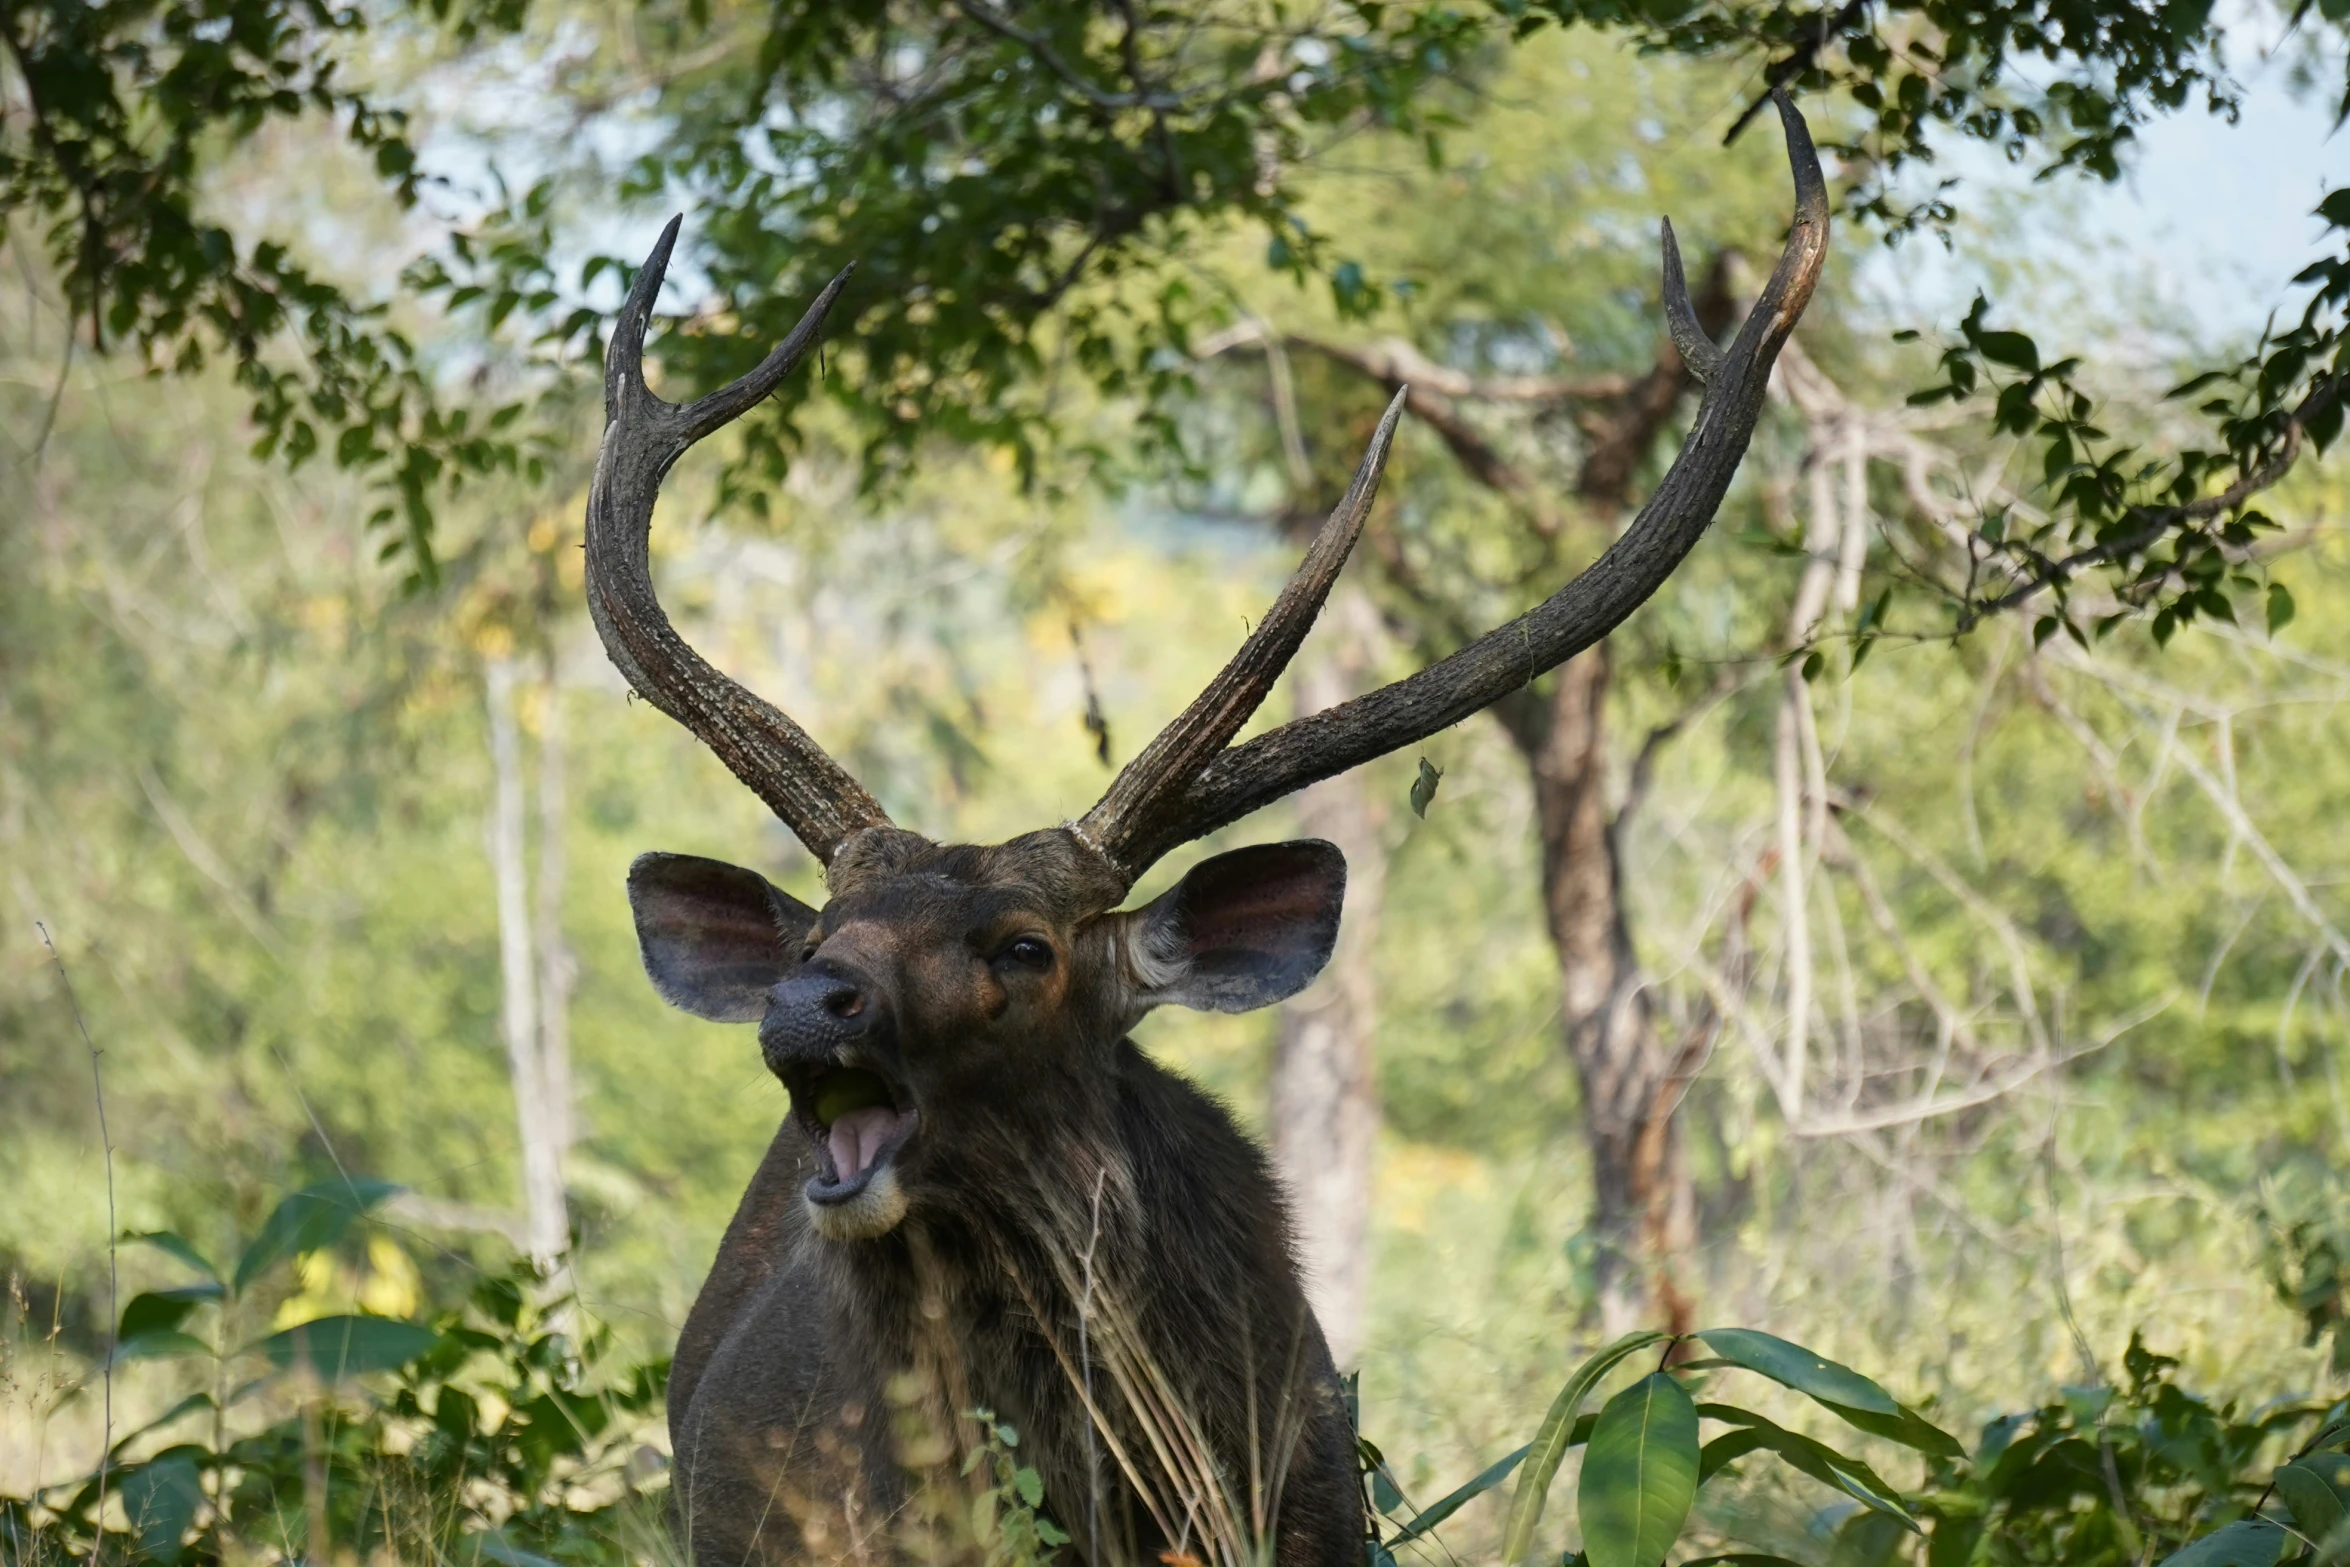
point(1054, 1164)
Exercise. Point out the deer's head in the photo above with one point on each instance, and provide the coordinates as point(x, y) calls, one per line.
point(956, 1002)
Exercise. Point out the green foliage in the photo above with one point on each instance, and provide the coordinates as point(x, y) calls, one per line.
point(1639, 1474)
point(1006, 1524)
point(2070, 83)
point(1018, 192)
point(129, 103)
point(2144, 1471)
point(2103, 1475)
point(2307, 1234)
point(486, 1430)
point(2170, 536)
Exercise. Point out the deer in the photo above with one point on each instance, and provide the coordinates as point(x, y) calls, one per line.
point(985, 1195)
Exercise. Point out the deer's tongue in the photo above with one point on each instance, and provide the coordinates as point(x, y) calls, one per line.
point(857, 1137)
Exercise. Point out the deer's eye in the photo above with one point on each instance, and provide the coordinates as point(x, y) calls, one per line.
point(1028, 952)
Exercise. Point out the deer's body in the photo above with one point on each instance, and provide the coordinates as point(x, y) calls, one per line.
point(986, 1196)
point(776, 1414)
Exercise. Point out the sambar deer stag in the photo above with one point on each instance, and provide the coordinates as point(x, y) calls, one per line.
point(985, 1195)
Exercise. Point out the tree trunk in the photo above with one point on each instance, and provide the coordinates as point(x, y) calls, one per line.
point(1643, 1204)
point(547, 1225)
point(558, 970)
point(1325, 1110)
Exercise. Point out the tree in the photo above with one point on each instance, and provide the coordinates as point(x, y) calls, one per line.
point(1009, 171)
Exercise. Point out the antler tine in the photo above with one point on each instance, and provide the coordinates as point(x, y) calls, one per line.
point(643, 437)
point(1306, 750)
point(1135, 810)
point(1699, 352)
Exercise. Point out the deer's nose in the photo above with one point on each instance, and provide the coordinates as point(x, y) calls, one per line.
point(816, 1011)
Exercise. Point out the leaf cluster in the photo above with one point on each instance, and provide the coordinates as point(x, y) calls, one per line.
point(480, 1431)
point(127, 103)
point(2166, 536)
point(2065, 82)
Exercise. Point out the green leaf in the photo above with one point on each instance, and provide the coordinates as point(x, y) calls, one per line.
point(2012, 349)
point(1816, 1459)
point(2255, 1542)
point(161, 1497)
point(1424, 787)
point(162, 1344)
point(2280, 608)
point(309, 1220)
point(158, 1311)
point(1639, 1474)
point(2317, 1507)
point(1909, 1428)
point(1453, 1501)
point(1551, 1442)
point(1742, 1559)
point(333, 1348)
point(175, 1246)
point(1791, 1365)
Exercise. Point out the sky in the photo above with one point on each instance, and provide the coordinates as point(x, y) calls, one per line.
point(2207, 228)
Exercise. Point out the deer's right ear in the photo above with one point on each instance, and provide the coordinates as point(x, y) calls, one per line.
point(1240, 931)
point(715, 937)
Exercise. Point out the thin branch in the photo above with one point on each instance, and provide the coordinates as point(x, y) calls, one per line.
point(1982, 1093)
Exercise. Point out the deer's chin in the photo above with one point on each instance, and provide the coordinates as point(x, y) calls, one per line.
point(874, 1209)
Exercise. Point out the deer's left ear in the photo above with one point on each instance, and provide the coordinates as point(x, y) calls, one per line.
point(1242, 930)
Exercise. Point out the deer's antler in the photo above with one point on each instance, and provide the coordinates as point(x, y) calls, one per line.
point(1186, 784)
point(643, 437)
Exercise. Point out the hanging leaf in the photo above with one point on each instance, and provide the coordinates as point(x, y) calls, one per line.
point(333, 1348)
point(1551, 1442)
point(309, 1220)
point(1424, 787)
point(2280, 607)
point(1639, 1474)
point(1909, 1428)
point(158, 1311)
point(1791, 1365)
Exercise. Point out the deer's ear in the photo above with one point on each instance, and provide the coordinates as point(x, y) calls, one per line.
point(1242, 930)
point(715, 937)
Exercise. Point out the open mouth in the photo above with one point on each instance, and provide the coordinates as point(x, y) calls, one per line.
point(858, 1120)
